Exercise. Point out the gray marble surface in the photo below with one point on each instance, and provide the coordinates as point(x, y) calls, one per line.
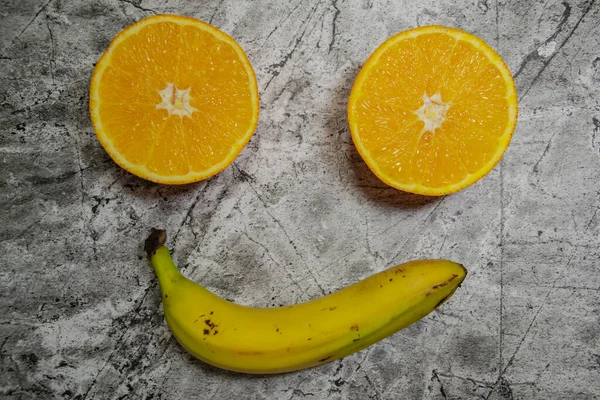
point(298, 214)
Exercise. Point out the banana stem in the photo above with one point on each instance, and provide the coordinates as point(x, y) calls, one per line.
point(157, 238)
point(160, 259)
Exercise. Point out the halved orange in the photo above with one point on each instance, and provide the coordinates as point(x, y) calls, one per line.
point(432, 110)
point(173, 99)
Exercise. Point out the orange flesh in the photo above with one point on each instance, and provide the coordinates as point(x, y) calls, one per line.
point(475, 86)
point(146, 139)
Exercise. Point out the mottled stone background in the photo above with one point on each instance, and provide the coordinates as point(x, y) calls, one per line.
point(298, 214)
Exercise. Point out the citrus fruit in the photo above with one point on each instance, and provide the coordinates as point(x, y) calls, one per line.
point(432, 110)
point(173, 99)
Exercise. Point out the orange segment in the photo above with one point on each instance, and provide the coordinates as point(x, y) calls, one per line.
point(133, 132)
point(432, 110)
point(173, 99)
point(435, 162)
point(400, 78)
point(435, 50)
point(121, 87)
point(404, 142)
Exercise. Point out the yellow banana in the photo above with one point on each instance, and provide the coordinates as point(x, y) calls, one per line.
point(288, 338)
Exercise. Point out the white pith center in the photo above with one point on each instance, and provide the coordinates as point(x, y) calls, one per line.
point(176, 101)
point(432, 112)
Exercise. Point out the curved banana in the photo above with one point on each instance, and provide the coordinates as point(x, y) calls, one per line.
point(288, 338)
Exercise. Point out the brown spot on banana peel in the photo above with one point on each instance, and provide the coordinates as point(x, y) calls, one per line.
point(210, 324)
point(325, 359)
point(439, 285)
point(250, 353)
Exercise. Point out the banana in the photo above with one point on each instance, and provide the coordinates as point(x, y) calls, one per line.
point(274, 340)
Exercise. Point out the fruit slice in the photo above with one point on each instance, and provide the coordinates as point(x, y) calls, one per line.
point(432, 110)
point(173, 99)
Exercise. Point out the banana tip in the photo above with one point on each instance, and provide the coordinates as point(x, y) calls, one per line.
point(157, 238)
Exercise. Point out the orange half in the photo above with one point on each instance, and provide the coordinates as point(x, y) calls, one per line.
point(173, 100)
point(432, 110)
